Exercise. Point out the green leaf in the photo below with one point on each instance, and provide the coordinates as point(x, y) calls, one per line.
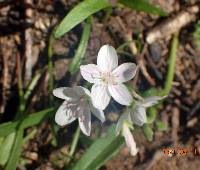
point(160, 125)
point(143, 5)
point(78, 14)
point(16, 150)
point(100, 151)
point(80, 53)
point(6, 147)
point(148, 132)
point(30, 120)
point(151, 115)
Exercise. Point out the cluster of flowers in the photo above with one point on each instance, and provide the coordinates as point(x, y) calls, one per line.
point(108, 79)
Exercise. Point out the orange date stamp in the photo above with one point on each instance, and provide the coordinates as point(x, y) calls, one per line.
point(181, 151)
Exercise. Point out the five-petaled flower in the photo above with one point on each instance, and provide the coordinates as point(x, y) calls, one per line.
point(108, 78)
point(77, 104)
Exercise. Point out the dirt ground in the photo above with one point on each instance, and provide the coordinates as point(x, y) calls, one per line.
point(25, 32)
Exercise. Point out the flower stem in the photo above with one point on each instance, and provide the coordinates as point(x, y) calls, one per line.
point(171, 66)
point(74, 144)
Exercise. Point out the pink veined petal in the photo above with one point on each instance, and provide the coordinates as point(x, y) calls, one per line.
point(130, 142)
point(124, 72)
point(64, 115)
point(139, 116)
point(90, 73)
point(98, 113)
point(107, 58)
point(120, 94)
point(65, 93)
point(85, 121)
point(100, 96)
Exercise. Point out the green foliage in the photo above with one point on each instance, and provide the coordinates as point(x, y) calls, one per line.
point(196, 34)
point(78, 14)
point(16, 150)
point(100, 151)
point(143, 5)
point(5, 148)
point(151, 115)
point(76, 62)
point(30, 120)
point(148, 132)
point(161, 125)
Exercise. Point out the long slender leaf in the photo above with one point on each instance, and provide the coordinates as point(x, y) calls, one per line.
point(80, 13)
point(143, 5)
point(6, 147)
point(14, 157)
point(100, 151)
point(32, 119)
point(74, 66)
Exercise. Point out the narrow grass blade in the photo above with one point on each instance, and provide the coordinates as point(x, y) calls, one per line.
point(80, 53)
point(143, 5)
point(16, 150)
point(30, 120)
point(6, 147)
point(100, 151)
point(80, 13)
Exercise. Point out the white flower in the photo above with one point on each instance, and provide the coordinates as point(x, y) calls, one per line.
point(138, 115)
point(108, 77)
point(124, 125)
point(76, 105)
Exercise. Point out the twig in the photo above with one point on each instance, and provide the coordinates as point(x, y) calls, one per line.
point(173, 24)
point(28, 42)
point(175, 124)
point(143, 68)
point(134, 51)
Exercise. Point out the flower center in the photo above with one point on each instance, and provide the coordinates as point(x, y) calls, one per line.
point(108, 78)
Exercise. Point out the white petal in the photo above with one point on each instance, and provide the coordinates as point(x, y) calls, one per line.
point(81, 91)
point(121, 94)
point(65, 93)
point(130, 142)
point(85, 121)
point(138, 116)
point(150, 101)
point(100, 96)
point(124, 117)
point(90, 73)
point(64, 115)
point(98, 113)
point(124, 72)
point(107, 59)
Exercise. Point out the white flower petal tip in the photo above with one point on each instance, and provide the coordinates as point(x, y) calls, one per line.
point(150, 101)
point(64, 115)
point(85, 121)
point(125, 72)
point(107, 58)
point(90, 73)
point(130, 142)
point(139, 116)
point(121, 94)
point(98, 113)
point(65, 93)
